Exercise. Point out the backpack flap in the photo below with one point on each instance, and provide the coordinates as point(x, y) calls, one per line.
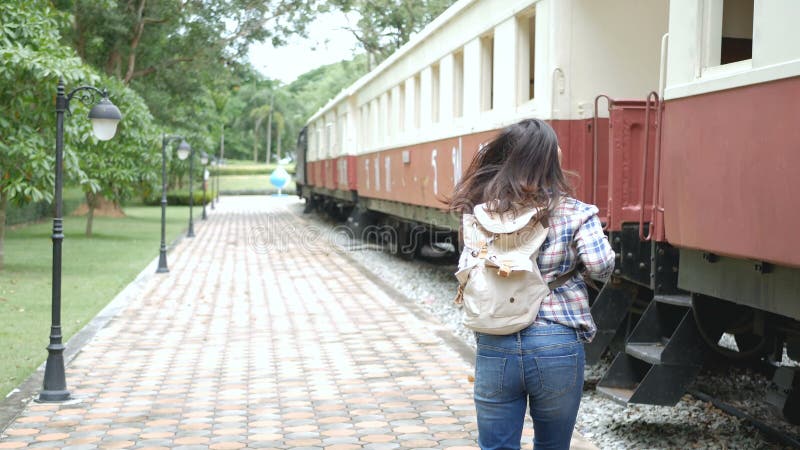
point(502, 305)
point(508, 222)
point(499, 282)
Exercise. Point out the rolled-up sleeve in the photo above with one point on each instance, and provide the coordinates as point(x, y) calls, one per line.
point(594, 250)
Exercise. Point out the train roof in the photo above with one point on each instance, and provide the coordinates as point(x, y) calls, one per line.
point(415, 40)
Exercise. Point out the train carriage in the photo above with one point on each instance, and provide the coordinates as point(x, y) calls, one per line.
point(404, 132)
point(678, 118)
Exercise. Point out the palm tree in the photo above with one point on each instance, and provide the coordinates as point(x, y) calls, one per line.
point(258, 115)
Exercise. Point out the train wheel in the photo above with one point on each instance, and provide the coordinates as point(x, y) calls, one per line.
point(716, 318)
point(398, 240)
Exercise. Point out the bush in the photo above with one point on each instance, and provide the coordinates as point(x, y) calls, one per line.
point(250, 170)
point(182, 198)
point(38, 211)
point(271, 191)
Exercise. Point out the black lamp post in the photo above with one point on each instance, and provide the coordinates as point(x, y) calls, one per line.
point(204, 162)
point(219, 166)
point(162, 255)
point(105, 117)
point(183, 154)
point(214, 167)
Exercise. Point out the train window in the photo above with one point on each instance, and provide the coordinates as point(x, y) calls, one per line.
point(329, 138)
point(341, 133)
point(730, 31)
point(362, 127)
point(401, 105)
point(526, 52)
point(389, 115)
point(417, 100)
point(312, 143)
point(458, 84)
point(487, 69)
point(531, 22)
point(319, 142)
point(382, 119)
point(374, 122)
point(435, 93)
point(737, 31)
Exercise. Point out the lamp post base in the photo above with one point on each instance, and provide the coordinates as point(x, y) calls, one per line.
point(54, 388)
point(53, 397)
point(162, 263)
point(190, 233)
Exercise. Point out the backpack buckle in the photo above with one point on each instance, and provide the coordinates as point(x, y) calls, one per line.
point(504, 270)
point(484, 250)
point(459, 295)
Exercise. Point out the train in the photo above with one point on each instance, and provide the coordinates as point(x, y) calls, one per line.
point(679, 119)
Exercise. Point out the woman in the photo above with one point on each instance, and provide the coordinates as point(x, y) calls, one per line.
point(541, 365)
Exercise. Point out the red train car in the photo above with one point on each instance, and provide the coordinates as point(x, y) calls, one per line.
point(678, 118)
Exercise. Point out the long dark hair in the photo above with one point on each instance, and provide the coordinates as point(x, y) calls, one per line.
point(519, 168)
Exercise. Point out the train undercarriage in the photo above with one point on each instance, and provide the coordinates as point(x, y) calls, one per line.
point(407, 231)
point(665, 324)
point(661, 323)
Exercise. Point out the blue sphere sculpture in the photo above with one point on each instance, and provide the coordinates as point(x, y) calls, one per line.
point(279, 177)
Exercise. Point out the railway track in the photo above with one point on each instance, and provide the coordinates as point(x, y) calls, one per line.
point(734, 415)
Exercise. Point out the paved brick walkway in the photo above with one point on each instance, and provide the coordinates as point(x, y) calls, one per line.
point(260, 337)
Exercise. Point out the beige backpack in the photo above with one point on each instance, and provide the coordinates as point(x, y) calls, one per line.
point(500, 285)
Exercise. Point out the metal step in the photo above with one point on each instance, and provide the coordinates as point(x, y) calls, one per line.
point(666, 334)
point(649, 352)
point(663, 355)
point(608, 311)
point(617, 394)
point(632, 380)
point(677, 300)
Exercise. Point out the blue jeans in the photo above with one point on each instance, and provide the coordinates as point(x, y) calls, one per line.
point(543, 365)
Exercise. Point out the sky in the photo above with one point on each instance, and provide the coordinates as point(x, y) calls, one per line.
point(328, 42)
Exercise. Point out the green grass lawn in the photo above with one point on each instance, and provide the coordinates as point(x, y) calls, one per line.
point(244, 163)
point(239, 167)
point(94, 270)
point(240, 183)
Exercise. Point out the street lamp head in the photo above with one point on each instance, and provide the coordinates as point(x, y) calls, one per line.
point(203, 158)
point(105, 116)
point(183, 150)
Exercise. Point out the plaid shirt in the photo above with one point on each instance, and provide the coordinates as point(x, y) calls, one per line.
point(575, 236)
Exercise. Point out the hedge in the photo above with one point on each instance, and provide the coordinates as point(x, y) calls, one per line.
point(38, 211)
point(289, 191)
point(182, 198)
point(238, 170)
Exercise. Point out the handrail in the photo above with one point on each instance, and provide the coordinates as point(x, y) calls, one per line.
point(553, 91)
point(610, 101)
point(659, 117)
point(657, 163)
point(652, 95)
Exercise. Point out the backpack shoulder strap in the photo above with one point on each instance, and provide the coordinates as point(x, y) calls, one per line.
point(561, 279)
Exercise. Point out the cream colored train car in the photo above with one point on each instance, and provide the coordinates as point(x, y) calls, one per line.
point(397, 140)
point(696, 185)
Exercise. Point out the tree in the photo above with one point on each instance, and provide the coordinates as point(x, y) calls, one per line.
point(219, 97)
point(152, 44)
point(257, 115)
point(385, 25)
point(32, 59)
point(114, 169)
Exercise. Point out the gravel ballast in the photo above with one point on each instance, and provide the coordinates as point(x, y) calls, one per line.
point(691, 424)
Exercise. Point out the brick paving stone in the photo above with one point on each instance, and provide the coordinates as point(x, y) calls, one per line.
point(22, 431)
point(260, 336)
point(80, 447)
